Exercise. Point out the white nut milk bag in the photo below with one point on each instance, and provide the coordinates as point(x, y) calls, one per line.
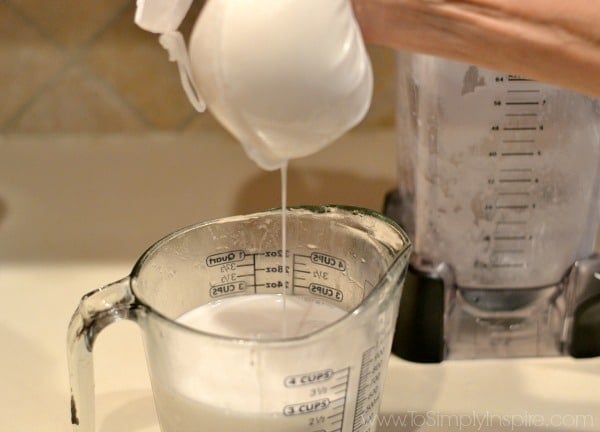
point(285, 77)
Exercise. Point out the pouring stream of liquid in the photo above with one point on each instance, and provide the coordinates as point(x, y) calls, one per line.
point(284, 247)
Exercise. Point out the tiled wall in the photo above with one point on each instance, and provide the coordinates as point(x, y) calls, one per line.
point(71, 66)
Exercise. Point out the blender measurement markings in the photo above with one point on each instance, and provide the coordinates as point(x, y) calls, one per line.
point(519, 133)
point(520, 128)
point(517, 78)
point(517, 154)
point(523, 180)
point(508, 251)
point(510, 237)
point(513, 207)
point(523, 91)
point(515, 222)
point(523, 103)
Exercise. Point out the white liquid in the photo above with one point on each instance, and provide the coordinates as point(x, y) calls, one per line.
point(259, 316)
point(178, 414)
point(218, 389)
point(286, 78)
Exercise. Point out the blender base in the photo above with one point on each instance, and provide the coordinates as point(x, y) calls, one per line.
point(419, 335)
point(440, 321)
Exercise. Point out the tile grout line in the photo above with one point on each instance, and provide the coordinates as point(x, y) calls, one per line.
point(115, 94)
point(10, 122)
point(71, 59)
point(32, 23)
point(89, 72)
point(94, 37)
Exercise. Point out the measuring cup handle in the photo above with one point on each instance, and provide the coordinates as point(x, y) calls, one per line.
point(96, 310)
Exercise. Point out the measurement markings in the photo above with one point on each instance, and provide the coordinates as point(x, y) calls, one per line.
point(254, 269)
point(334, 422)
point(523, 91)
point(518, 141)
point(517, 154)
point(512, 207)
point(519, 128)
point(510, 237)
point(338, 407)
point(299, 278)
point(513, 265)
point(522, 180)
point(363, 384)
point(299, 274)
point(514, 194)
point(338, 385)
point(523, 103)
point(343, 398)
point(521, 114)
point(517, 78)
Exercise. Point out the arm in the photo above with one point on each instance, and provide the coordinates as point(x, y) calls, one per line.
point(556, 41)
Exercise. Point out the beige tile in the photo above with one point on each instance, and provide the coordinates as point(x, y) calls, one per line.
point(135, 64)
point(71, 22)
point(27, 63)
point(78, 102)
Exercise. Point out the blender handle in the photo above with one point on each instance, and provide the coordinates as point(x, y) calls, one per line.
point(96, 310)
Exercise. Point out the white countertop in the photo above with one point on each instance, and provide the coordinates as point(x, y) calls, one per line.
point(485, 395)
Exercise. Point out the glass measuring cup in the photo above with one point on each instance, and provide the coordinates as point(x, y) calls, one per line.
point(327, 379)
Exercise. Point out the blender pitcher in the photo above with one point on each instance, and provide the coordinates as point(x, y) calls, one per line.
point(498, 189)
point(328, 376)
